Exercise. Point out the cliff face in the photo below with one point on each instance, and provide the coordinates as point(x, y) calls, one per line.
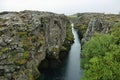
point(89, 23)
point(95, 25)
point(27, 38)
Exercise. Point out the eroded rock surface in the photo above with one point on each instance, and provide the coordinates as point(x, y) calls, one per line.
point(26, 38)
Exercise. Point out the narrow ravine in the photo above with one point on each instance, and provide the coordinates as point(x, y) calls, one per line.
point(73, 70)
point(70, 69)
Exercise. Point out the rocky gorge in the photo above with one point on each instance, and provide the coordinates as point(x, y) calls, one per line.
point(99, 34)
point(32, 39)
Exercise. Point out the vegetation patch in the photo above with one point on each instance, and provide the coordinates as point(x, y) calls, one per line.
point(101, 56)
point(26, 55)
point(69, 35)
point(20, 61)
point(4, 50)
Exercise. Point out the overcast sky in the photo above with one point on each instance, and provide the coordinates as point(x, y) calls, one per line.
point(62, 6)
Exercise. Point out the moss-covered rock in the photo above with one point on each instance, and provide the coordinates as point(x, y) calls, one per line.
point(27, 38)
point(20, 61)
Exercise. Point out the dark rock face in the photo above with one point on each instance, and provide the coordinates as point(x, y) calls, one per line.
point(27, 38)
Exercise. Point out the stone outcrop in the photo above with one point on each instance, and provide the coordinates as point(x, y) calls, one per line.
point(27, 38)
point(95, 25)
point(89, 23)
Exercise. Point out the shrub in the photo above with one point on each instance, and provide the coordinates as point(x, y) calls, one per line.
point(101, 58)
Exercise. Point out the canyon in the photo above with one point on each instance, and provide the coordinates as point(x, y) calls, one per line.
point(34, 40)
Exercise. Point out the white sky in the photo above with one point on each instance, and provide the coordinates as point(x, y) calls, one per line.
point(62, 6)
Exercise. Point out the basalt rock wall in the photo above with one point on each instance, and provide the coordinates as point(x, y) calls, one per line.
point(27, 38)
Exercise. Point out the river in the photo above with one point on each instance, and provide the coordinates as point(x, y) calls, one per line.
point(71, 69)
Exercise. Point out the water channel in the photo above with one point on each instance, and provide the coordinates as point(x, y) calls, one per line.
point(71, 69)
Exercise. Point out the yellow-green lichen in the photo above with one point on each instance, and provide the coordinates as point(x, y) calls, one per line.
point(20, 61)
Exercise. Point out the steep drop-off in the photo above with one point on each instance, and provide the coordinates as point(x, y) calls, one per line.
point(89, 23)
point(100, 45)
point(27, 38)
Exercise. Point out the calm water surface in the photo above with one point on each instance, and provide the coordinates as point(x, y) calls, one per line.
point(71, 69)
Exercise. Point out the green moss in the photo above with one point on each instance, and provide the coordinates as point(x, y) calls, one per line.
point(69, 35)
point(1, 33)
point(12, 59)
point(54, 49)
point(27, 43)
point(41, 42)
point(26, 55)
point(63, 48)
point(22, 34)
point(31, 77)
point(20, 61)
point(27, 25)
point(1, 52)
point(69, 38)
point(4, 50)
